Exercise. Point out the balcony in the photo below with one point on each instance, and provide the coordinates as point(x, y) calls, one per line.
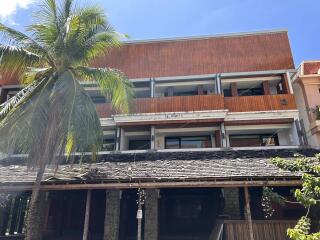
point(168, 104)
point(262, 229)
point(205, 102)
point(260, 103)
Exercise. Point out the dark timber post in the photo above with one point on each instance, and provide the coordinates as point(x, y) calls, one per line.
point(266, 88)
point(112, 215)
point(87, 216)
point(151, 214)
point(248, 212)
point(5, 217)
point(14, 215)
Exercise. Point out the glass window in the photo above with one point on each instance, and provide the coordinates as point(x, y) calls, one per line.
point(227, 92)
point(98, 99)
point(108, 145)
point(188, 142)
point(253, 140)
point(172, 143)
point(139, 144)
point(250, 92)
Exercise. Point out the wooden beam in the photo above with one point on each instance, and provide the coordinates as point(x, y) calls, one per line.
point(266, 88)
point(87, 216)
point(285, 84)
point(168, 122)
point(234, 89)
point(248, 212)
point(217, 138)
point(171, 184)
point(258, 122)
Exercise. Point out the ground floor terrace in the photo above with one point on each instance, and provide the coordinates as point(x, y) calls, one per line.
point(166, 214)
point(181, 195)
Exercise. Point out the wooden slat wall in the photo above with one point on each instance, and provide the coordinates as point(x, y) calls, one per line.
point(262, 230)
point(205, 102)
point(242, 53)
point(260, 103)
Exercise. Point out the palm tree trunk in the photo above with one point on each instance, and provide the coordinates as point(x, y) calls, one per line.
point(34, 215)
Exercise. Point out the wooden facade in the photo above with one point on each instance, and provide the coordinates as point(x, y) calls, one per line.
point(260, 103)
point(205, 102)
point(206, 55)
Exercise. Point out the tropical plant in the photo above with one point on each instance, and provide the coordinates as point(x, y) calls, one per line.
point(308, 195)
point(53, 116)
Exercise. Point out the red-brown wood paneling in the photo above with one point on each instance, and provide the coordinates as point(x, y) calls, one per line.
point(205, 102)
point(262, 230)
point(240, 53)
point(260, 103)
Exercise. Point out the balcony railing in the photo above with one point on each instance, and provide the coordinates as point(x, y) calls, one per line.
point(169, 104)
point(205, 102)
point(260, 103)
point(262, 230)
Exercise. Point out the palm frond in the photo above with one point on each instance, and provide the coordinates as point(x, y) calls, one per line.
point(35, 74)
point(91, 34)
point(112, 84)
point(21, 40)
point(14, 60)
point(16, 99)
point(101, 43)
point(43, 123)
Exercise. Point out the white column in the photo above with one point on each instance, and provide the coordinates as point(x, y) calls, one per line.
point(118, 134)
point(218, 84)
point(152, 87)
point(289, 82)
point(224, 140)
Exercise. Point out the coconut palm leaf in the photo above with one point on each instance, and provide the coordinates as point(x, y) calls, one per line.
point(16, 99)
point(111, 83)
point(15, 60)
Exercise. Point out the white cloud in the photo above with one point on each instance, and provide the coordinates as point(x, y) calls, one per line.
point(9, 7)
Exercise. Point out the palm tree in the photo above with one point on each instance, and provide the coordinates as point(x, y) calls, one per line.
point(53, 116)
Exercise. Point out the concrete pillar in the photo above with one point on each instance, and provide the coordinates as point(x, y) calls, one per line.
point(295, 139)
point(288, 78)
point(152, 87)
point(118, 133)
point(231, 198)
point(224, 142)
point(151, 214)
point(218, 88)
point(153, 138)
point(112, 215)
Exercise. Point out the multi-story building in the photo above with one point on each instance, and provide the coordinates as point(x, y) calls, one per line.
point(306, 85)
point(208, 114)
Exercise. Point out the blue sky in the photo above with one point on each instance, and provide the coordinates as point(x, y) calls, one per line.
point(144, 19)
